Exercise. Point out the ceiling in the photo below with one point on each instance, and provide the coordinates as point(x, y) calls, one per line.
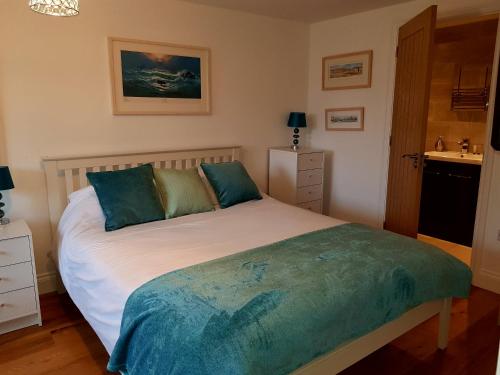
point(300, 10)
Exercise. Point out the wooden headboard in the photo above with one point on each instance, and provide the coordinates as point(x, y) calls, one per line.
point(67, 174)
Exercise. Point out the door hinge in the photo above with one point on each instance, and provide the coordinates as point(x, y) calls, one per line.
point(397, 51)
point(390, 140)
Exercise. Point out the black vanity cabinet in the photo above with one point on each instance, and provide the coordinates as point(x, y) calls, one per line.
point(449, 200)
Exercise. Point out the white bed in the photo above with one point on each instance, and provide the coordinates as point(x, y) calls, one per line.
point(94, 264)
point(100, 270)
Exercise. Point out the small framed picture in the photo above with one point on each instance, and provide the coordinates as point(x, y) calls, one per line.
point(347, 71)
point(345, 118)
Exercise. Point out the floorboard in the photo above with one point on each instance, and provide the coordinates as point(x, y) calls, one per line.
point(66, 344)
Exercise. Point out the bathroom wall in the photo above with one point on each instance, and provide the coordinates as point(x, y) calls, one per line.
point(471, 47)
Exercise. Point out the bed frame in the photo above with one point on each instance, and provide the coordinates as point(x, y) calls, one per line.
point(67, 174)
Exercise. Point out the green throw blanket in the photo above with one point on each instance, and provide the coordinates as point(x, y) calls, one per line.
point(273, 309)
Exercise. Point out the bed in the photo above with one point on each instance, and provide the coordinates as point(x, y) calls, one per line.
point(94, 265)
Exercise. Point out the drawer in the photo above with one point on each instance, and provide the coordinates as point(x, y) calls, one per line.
point(315, 206)
point(17, 276)
point(14, 250)
point(310, 177)
point(309, 193)
point(313, 160)
point(17, 304)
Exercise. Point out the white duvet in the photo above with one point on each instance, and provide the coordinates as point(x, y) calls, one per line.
point(101, 269)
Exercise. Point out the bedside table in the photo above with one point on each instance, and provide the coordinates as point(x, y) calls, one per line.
point(19, 302)
point(296, 177)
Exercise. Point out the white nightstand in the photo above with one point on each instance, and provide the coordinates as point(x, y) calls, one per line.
point(296, 177)
point(19, 302)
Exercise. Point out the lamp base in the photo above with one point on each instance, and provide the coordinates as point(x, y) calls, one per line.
point(296, 136)
point(3, 220)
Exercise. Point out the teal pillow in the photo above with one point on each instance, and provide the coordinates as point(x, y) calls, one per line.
point(231, 183)
point(127, 197)
point(182, 192)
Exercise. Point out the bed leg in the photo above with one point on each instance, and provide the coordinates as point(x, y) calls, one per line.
point(444, 323)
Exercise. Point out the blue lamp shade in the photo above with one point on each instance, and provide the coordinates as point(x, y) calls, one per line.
point(297, 120)
point(6, 182)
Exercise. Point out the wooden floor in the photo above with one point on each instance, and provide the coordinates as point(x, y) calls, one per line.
point(67, 345)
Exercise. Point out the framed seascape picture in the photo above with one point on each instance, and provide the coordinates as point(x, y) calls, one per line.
point(150, 78)
point(345, 118)
point(347, 71)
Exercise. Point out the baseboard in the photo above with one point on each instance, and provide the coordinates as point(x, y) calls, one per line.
point(47, 282)
point(487, 280)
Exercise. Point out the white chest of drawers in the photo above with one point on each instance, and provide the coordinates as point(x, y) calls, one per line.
point(296, 177)
point(19, 302)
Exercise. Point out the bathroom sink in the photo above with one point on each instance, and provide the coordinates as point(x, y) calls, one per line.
point(455, 157)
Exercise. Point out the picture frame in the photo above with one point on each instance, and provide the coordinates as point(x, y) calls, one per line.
point(155, 78)
point(347, 71)
point(345, 119)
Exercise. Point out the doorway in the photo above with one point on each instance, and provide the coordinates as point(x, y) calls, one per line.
point(442, 163)
point(456, 133)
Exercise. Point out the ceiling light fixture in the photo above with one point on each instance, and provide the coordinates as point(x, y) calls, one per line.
point(59, 8)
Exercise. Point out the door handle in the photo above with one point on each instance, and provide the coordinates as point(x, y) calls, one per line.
point(415, 157)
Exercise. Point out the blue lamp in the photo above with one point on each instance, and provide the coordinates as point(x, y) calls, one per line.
point(6, 183)
point(296, 120)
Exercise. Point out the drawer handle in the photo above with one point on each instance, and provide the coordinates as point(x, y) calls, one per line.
point(3, 305)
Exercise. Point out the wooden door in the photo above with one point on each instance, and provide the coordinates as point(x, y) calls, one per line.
point(409, 122)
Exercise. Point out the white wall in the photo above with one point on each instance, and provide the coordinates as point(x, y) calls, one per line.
point(357, 172)
point(356, 158)
point(55, 89)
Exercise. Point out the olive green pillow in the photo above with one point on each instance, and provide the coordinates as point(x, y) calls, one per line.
point(182, 192)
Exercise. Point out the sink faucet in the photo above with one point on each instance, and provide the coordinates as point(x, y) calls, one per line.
point(465, 146)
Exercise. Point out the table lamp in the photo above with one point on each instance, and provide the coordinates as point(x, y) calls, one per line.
point(6, 183)
point(296, 120)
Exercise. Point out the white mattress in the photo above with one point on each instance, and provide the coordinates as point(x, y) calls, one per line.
point(100, 270)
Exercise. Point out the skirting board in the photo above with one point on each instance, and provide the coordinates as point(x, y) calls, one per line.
point(488, 280)
point(47, 282)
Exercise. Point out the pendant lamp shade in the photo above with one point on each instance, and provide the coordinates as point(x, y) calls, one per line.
point(59, 8)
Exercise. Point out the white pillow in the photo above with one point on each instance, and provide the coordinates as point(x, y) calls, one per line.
point(78, 195)
point(83, 211)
